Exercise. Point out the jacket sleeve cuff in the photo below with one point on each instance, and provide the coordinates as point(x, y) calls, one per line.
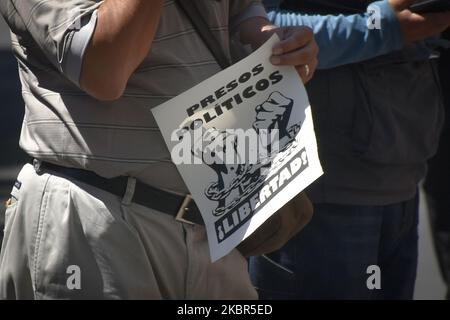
point(390, 26)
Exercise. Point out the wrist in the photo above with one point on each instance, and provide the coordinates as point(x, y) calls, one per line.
point(255, 31)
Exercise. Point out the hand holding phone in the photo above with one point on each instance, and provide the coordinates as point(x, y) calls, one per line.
point(416, 26)
point(429, 6)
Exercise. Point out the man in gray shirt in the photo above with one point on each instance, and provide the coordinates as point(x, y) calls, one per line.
point(94, 216)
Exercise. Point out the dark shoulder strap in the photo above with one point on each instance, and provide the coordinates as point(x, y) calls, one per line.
point(191, 10)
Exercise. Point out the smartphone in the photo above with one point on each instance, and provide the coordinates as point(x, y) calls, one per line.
point(429, 6)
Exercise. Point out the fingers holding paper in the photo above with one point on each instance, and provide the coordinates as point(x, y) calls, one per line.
point(297, 48)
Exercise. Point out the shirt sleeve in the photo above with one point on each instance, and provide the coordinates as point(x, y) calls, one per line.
point(61, 29)
point(349, 39)
point(73, 61)
point(242, 10)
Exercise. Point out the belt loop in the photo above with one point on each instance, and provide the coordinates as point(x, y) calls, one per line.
point(129, 193)
point(37, 165)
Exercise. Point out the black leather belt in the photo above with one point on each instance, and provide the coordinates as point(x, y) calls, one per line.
point(183, 208)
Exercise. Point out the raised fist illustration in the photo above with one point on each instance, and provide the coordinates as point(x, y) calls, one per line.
point(274, 113)
point(218, 146)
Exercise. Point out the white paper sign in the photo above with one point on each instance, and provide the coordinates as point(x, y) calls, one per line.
point(244, 143)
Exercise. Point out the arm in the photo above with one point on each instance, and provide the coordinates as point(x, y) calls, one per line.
point(347, 39)
point(340, 37)
point(296, 48)
point(123, 36)
point(95, 44)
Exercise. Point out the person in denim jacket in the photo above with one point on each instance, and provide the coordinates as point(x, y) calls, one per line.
point(378, 115)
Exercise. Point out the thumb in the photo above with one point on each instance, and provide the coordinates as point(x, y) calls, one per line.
point(399, 5)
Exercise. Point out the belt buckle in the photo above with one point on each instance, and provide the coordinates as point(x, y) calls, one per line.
point(184, 210)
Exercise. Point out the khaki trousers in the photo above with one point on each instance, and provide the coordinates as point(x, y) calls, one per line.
point(68, 240)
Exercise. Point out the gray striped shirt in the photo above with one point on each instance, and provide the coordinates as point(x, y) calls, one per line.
point(66, 126)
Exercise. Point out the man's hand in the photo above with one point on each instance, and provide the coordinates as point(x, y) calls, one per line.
point(297, 48)
point(416, 27)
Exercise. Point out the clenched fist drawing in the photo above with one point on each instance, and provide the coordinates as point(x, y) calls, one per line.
point(274, 113)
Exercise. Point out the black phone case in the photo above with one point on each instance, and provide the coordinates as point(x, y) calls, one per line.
point(431, 6)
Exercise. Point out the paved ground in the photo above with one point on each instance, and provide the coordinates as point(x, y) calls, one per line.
point(429, 283)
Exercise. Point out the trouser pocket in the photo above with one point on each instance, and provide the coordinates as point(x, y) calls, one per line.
point(11, 206)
